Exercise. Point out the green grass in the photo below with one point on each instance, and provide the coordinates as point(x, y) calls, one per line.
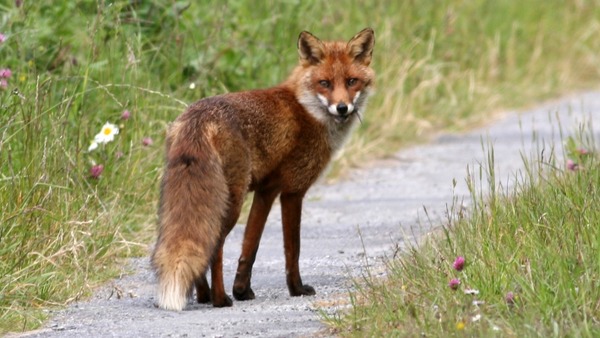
point(78, 64)
point(538, 240)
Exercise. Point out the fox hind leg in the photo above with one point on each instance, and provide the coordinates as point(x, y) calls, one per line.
point(219, 297)
point(261, 206)
point(236, 200)
point(202, 289)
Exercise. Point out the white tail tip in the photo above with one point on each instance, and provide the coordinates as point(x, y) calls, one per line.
point(172, 296)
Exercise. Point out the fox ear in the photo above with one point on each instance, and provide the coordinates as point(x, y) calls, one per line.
point(310, 48)
point(360, 47)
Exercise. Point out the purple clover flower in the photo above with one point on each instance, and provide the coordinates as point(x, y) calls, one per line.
point(454, 283)
point(96, 170)
point(147, 141)
point(459, 263)
point(510, 298)
point(5, 73)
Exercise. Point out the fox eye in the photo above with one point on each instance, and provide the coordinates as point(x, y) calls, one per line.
point(325, 83)
point(351, 82)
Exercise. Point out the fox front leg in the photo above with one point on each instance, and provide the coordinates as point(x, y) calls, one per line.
point(291, 209)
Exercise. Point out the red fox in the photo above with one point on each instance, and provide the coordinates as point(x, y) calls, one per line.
point(275, 142)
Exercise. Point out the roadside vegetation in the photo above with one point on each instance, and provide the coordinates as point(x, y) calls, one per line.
point(87, 89)
point(524, 261)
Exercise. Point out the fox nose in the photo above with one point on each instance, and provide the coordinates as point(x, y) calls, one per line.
point(342, 108)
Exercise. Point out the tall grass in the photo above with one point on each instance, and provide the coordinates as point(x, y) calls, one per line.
point(78, 64)
point(531, 266)
point(451, 65)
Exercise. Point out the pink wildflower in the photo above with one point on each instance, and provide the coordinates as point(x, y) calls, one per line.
point(459, 263)
point(96, 170)
point(147, 141)
point(582, 151)
point(572, 165)
point(454, 283)
point(510, 298)
point(126, 115)
point(2, 38)
point(5, 73)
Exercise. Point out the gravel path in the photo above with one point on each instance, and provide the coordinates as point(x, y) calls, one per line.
point(346, 226)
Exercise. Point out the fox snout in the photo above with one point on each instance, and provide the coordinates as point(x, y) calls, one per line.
point(342, 108)
point(342, 111)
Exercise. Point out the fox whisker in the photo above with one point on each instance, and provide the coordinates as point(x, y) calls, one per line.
point(359, 118)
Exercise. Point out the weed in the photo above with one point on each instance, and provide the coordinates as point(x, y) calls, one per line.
point(523, 263)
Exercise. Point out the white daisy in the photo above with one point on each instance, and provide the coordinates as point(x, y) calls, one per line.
point(93, 146)
point(107, 134)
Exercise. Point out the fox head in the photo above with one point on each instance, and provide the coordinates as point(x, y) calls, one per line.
point(334, 78)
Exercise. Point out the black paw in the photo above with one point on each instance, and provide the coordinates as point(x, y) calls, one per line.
point(243, 293)
point(302, 290)
point(203, 297)
point(223, 301)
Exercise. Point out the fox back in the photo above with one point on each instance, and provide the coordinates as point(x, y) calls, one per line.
point(275, 142)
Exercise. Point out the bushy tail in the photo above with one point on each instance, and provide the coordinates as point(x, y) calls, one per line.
point(192, 204)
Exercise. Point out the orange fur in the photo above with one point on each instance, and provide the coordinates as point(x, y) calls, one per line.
point(275, 142)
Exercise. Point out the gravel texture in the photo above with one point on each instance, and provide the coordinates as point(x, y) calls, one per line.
point(347, 226)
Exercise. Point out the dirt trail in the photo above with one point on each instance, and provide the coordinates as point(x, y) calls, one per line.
point(346, 226)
